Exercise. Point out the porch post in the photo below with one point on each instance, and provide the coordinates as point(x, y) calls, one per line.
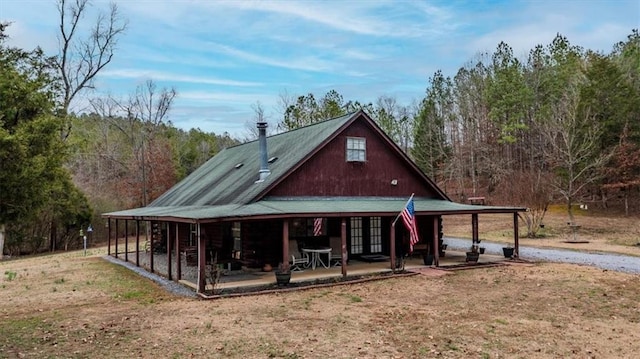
point(178, 259)
point(474, 227)
point(150, 224)
point(126, 240)
point(137, 243)
point(343, 246)
point(436, 232)
point(285, 243)
point(108, 236)
point(169, 270)
point(516, 237)
point(116, 248)
point(202, 259)
point(392, 247)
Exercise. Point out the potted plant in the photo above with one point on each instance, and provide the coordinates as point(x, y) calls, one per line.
point(427, 258)
point(507, 251)
point(283, 274)
point(473, 255)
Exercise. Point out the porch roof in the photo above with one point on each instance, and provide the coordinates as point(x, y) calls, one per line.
point(306, 207)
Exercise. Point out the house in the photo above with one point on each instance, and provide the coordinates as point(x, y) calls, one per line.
point(247, 203)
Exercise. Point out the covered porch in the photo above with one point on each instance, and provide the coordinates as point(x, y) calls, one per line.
point(183, 244)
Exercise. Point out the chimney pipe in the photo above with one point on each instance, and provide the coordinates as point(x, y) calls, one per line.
point(262, 143)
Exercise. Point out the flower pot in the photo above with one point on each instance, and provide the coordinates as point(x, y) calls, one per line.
point(481, 249)
point(507, 251)
point(427, 259)
point(473, 256)
point(283, 278)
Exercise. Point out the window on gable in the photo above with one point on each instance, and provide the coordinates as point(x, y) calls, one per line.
point(356, 149)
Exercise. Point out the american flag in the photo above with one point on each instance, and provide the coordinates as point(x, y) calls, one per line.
point(409, 219)
point(317, 226)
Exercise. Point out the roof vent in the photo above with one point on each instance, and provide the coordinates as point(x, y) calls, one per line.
point(272, 159)
point(239, 165)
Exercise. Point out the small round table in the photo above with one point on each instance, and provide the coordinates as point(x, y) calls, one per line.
point(315, 256)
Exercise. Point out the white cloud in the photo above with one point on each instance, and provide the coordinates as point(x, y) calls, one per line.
point(172, 77)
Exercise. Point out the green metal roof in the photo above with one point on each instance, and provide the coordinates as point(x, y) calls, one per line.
point(225, 187)
point(325, 207)
point(219, 182)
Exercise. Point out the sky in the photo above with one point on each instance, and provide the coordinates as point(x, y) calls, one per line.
point(226, 57)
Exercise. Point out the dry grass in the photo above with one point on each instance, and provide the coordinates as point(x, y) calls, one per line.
point(66, 305)
point(603, 232)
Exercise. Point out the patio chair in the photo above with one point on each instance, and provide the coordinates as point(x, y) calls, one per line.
point(299, 259)
point(336, 251)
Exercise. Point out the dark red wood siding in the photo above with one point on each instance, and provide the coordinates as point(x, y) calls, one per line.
point(328, 173)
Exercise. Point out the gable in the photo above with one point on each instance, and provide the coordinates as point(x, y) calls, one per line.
point(230, 176)
point(386, 172)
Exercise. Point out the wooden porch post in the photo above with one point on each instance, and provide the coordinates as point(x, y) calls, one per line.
point(392, 247)
point(343, 246)
point(169, 269)
point(285, 243)
point(516, 237)
point(178, 259)
point(126, 240)
point(108, 236)
point(474, 228)
point(436, 255)
point(137, 243)
point(116, 248)
point(202, 259)
point(150, 224)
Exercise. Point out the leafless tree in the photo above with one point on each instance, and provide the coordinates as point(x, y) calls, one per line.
point(572, 149)
point(138, 119)
point(81, 59)
point(251, 131)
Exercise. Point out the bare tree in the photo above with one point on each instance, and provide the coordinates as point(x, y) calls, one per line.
point(139, 119)
point(573, 148)
point(81, 59)
point(251, 131)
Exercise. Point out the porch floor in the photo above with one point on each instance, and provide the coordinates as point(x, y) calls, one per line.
point(354, 268)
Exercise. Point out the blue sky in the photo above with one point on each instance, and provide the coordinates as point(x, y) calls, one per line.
point(225, 56)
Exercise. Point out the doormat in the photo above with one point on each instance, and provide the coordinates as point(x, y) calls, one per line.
point(374, 258)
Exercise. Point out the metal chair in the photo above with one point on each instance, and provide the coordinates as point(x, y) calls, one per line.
point(299, 259)
point(336, 251)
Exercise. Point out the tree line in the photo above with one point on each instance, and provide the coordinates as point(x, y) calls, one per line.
point(560, 124)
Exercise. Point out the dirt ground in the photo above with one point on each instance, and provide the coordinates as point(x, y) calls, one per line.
point(67, 305)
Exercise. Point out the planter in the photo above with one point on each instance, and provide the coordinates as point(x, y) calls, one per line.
point(441, 254)
point(283, 278)
point(481, 249)
point(427, 259)
point(507, 251)
point(443, 247)
point(473, 256)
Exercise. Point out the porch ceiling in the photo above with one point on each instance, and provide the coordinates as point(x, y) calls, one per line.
point(306, 207)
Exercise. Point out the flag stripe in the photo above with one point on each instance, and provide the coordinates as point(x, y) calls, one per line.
point(409, 219)
point(317, 226)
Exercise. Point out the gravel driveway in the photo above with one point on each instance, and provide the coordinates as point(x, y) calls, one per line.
point(616, 262)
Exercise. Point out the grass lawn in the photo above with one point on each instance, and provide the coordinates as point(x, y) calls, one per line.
point(67, 305)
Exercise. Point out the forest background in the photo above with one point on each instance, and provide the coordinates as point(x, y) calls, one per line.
point(559, 126)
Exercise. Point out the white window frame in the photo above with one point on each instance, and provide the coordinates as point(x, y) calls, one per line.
point(375, 232)
point(356, 149)
point(357, 246)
